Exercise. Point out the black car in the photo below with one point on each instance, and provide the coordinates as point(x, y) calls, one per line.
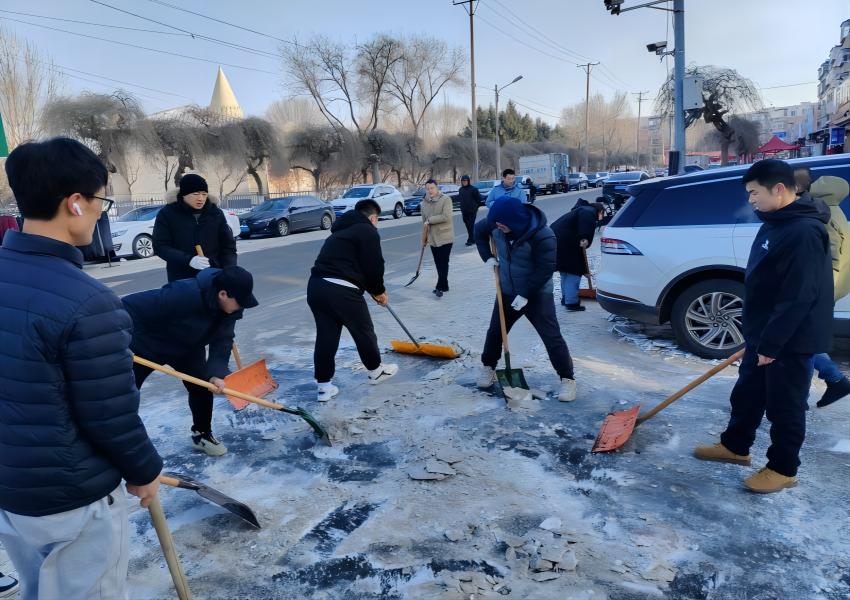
point(412, 204)
point(283, 216)
point(614, 188)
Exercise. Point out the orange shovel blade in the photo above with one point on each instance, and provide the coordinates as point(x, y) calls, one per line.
point(616, 429)
point(425, 349)
point(253, 379)
point(587, 293)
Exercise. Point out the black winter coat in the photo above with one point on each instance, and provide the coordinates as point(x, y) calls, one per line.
point(470, 199)
point(69, 423)
point(176, 232)
point(578, 224)
point(788, 298)
point(526, 263)
point(353, 253)
point(181, 317)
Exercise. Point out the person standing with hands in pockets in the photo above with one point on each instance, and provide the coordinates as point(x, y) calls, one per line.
point(438, 232)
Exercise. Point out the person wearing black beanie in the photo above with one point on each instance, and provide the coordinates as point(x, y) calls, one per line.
point(190, 219)
point(470, 202)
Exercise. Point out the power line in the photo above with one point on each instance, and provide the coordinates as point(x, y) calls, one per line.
point(93, 37)
point(787, 85)
point(12, 12)
point(540, 112)
point(524, 43)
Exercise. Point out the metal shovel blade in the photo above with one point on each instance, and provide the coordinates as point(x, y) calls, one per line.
point(254, 380)
point(616, 429)
point(241, 510)
point(515, 379)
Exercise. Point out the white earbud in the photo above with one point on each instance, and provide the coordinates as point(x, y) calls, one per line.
point(77, 209)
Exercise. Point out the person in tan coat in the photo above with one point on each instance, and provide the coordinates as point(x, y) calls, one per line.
point(438, 231)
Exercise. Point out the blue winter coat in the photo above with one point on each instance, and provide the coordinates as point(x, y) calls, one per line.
point(181, 318)
point(500, 191)
point(527, 263)
point(69, 423)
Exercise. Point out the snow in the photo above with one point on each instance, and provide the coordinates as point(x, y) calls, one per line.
point(350, 522)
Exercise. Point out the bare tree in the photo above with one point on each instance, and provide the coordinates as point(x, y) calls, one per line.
point(174, 149)
point(724, 92)
point(312, 148)
point(28, 82)
point(290, 114)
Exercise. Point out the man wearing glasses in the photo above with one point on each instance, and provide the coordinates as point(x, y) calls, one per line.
point(70, 431)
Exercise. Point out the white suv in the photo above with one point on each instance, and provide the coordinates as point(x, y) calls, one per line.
point(678, 249)
point(387, 196)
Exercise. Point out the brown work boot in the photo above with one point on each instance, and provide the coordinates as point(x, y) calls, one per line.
point(767, 481)
point(720, 453)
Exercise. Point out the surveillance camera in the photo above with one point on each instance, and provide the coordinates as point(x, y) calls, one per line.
point(657, 47)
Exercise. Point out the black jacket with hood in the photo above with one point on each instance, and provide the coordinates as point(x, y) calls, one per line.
point(788, 297)
point(353, 253)
point(177, 231)
point(578, 224)
point(470, 199)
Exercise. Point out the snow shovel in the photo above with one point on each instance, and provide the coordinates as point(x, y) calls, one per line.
point(421, 256)
point(167, 544)
point(254, 379)
point(588, 292)
point(507, 377)
point(618, 426)
point(424, 348)
point(300, 412)
point(243, 511)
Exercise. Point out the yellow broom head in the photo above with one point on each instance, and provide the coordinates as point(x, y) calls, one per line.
point(446, 351)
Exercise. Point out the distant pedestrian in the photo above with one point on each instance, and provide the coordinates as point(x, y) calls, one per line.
point(508, 188)
point(438, 231)
point(803, 180)
point(574, 232)
point(174, 325)
point(832, 191)
point(70, 430)
point(192, 218)
point(787, 319)
point(349, 263)
point(532, 191)
point(526, 250)
point(470, 202)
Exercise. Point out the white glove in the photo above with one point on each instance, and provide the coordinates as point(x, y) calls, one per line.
point(199, 263)
point(519, 303)
point(492, 262)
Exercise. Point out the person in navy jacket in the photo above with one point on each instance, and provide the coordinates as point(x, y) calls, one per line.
point(70, 431)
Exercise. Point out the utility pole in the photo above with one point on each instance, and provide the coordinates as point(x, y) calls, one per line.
point(474, 120)
point(679, 76)
point(640, 99)
point(587, 68)
point(497, 89)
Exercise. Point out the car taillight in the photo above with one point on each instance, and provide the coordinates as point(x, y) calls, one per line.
point(613, 246)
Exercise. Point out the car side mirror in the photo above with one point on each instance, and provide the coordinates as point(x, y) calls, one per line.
point(292, 208)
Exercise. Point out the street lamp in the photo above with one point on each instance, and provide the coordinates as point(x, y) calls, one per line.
point(498, 145)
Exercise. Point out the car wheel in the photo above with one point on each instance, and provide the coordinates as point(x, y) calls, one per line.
point(326, 222)
point(143, 246)
point(707, 316)
point(245, 236)
point(398, 211)
point(282, 228)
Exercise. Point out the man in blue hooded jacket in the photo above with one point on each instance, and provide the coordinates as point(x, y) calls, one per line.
point(526, 249)
point(509, 188)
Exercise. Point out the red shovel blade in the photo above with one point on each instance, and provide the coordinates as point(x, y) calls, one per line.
point(253, 379)
point(616, 429)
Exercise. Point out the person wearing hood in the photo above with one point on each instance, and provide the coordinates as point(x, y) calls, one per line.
point(574, 232)
point(509, 188)
point(526, 251)
point(832, 191)
point(192, 218)
point(174, 325)
point(470, 202)
point(787, 319)
point(438, 231)
point(349, 263)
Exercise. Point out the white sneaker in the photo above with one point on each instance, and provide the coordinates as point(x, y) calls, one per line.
point(205, 442)
point(567, 392)
point(8, 585)
point(487, 378)
point(382, 373)
point(327, 391)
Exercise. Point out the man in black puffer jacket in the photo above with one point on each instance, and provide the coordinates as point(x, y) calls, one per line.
point(470, 202)
point(69, 424)
point(574, 232)
point(349, 263)
point(192, 219)
point(526, 250)
point(787, 319)
point(174, 324)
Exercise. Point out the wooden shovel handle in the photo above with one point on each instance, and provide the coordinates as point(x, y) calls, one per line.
point(199, 250)
point(167, 544)
point(205, 384)
point(499, 300)
point(699, 380)
point(587, 266)
point(236, 356)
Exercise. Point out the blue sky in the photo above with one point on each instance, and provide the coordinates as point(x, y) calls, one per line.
point(774, 42)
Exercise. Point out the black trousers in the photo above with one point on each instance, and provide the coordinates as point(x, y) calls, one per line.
point(200, 399)
point(469, 223)
point(540, 312)
point(781, 391)
point(441, 256)
point(336, 306)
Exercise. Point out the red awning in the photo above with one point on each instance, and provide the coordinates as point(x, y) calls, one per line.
point(775, 145)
